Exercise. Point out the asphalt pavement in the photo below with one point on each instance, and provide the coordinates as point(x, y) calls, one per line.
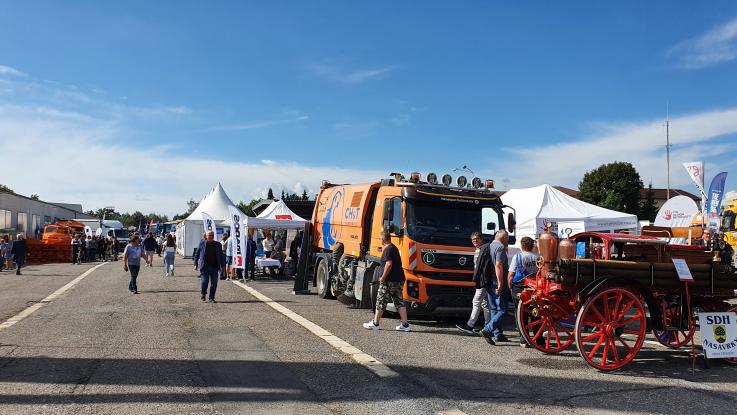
point(99, 349)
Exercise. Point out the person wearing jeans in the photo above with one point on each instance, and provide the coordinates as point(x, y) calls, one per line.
point(479, 301)
point(209, 262)
point(132, 261)
point(169, 247)
point(523, 265)
point(496, 287)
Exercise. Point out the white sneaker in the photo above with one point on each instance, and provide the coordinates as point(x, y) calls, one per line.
point(166, 275)
point(402, 328)
point(371, 325)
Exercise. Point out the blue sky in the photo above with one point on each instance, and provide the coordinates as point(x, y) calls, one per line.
point(171, 97)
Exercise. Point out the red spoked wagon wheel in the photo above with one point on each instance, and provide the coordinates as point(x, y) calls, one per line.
point(544, 326)
point(672, 338)
point(610, 329)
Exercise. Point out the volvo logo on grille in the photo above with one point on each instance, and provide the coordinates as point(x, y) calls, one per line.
point(462, 261)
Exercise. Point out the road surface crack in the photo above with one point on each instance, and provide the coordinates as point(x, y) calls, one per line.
point(599, 393)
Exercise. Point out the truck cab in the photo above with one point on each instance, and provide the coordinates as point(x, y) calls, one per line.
point(431, 226)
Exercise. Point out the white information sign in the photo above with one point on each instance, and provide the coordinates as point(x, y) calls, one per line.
point(718, 334)
point(684, 274)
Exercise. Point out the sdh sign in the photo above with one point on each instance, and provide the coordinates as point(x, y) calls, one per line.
point(719, 334)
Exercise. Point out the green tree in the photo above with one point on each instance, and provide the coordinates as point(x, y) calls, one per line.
point(614, 186)
point(270, 196)
point(247, 208)
point(649, 209)
point(283, 196)
point(304, 195)
point(136, 219)
point(34, 197)
point(5, 189)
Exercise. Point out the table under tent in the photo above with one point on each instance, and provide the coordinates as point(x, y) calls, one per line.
point(278, 217)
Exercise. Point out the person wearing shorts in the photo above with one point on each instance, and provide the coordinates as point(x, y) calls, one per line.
point(391, 283)
point(150, 245)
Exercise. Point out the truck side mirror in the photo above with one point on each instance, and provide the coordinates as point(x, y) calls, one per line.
point(511, 223)
point(491, 226)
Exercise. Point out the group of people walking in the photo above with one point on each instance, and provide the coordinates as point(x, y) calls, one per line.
point(145, 249)
point(497, 282)
point(92, 248)
point(13, 254)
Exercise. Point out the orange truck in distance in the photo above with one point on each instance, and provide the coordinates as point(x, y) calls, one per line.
point(430, 223)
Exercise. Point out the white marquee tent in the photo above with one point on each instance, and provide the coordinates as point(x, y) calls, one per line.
point(537, 205)
point(276, 216)
point(189, 231)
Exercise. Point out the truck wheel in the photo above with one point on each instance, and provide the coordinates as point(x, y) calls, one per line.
point(324, 289)
point(366, 298)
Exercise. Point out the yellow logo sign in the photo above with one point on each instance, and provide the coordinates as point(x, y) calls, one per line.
point(720, 332)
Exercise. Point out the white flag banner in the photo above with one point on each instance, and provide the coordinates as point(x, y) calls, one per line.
point(237, 234)
point(207, 223)
point(695, 170)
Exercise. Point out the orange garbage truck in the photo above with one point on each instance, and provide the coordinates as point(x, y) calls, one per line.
point(430, 223)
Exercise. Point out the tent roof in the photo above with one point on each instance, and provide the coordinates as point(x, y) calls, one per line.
point(545, 203)
point(276, 216)
point(280, 211)
point(214, 204)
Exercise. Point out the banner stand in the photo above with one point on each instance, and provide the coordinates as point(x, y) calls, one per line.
point(301, 279)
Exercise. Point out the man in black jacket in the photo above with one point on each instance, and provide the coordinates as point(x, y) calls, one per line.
point(209, 260)
point(19, 251)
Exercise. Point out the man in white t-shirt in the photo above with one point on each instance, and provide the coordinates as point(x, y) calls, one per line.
point(268, 245)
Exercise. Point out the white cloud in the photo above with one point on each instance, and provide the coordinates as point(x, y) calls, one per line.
point(252, 125)
point(717, 45)
point(61, 143)
point(7, 70)
point(344, 76)
point(179, 110)
point(694, 137)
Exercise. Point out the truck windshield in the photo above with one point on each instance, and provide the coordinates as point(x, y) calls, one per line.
point(443, 224)
point(121, 233)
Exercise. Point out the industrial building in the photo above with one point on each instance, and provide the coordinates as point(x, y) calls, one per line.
point(22, 214)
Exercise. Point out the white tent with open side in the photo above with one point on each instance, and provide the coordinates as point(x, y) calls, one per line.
point(535, 206)
point(276, 216)
point(189, 231)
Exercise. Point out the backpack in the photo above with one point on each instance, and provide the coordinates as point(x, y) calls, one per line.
point(519, 272)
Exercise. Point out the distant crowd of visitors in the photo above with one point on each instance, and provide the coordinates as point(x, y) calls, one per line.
point(13, 254)
point(93, 248)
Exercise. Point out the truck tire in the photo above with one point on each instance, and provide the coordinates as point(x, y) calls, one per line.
point(374, 289)
point(324, 289)
point(367, 300)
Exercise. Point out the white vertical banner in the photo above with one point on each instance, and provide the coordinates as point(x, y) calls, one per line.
point(237, 234)
point(695, 170)
point(207, 223)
